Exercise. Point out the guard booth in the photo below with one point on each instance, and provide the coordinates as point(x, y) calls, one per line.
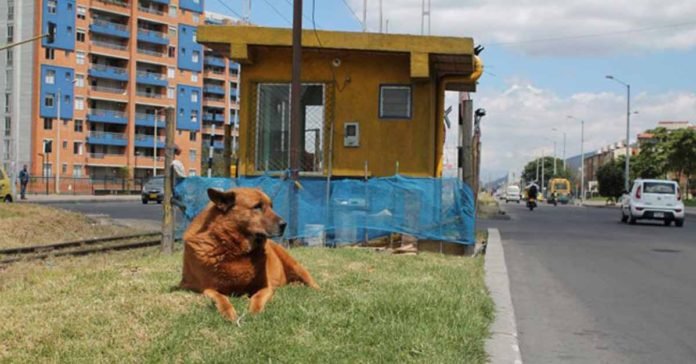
point(368, 100)
point(373, 131)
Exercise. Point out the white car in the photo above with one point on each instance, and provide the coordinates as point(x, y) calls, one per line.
point(653, 199)
point(512, 193)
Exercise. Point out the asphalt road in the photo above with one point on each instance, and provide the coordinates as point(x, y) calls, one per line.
point(588, 289)
point(117, 210)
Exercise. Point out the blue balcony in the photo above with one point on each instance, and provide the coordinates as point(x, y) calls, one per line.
point(107, 117)
point(109, 28)
point(218, 144)
point(214, 61)
point(143, 119)
point(151, 36)
point(152, 78)
point(165, 2)
point(148, 141)
point(213, 118)
point(106, 138)
point(109, 72)
point(218, 90)
point(234, 92)
point(234, 66)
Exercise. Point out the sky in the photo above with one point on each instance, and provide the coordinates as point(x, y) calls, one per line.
point(544, 60)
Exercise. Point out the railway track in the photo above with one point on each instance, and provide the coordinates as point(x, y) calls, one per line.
point(79, 247)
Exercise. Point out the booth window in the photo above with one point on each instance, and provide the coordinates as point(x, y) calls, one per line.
point(394, 102)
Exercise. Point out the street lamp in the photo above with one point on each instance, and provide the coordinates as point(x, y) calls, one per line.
point(628, 126)
point(582, 157)
point(554, 154)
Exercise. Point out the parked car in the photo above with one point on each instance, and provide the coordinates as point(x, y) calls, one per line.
point(653, 199)
point(5, 187)
point(512, 193)
point(153, 190)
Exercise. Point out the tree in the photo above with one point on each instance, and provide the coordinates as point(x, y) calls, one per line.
point(681, 154)
point(652, 161)
point(610, 178)
point(530, 170)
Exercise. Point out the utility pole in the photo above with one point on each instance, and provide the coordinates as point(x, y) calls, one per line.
point(364, 22)
point(211, 150)
point(465, 160)
point(542, 172)
point(58, 143)
point(582, 162)
point(554, 158)
point(168, 214)
point(295, 99)
point(380, 16)
point(425, 11)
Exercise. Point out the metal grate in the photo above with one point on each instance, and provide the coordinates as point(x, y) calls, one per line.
point(269, 138)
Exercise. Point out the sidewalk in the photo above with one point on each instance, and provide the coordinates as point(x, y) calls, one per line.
point(78, 198)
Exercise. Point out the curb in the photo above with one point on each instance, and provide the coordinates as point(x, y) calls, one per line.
point(503, 345)
point(63, 201)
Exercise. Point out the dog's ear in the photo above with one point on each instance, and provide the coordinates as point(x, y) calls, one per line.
point(223, 200)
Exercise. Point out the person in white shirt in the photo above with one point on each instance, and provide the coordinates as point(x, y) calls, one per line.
point(178, 175)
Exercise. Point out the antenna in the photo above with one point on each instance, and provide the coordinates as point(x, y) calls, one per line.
point(364, 15)
point(425, 11)
point(247, 12)
point(380, 16)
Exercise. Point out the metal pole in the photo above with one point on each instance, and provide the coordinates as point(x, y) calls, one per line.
point(582, 157)
point(154, 146)
point(554, 158)
point(59, 145)
point(429, 17)
point(8, 46)
point(564, 150)
point(422, 16)
point(628, 141)
point(295, 112)
point(211, 151)
point(542, 172)
point(364, 22)
point(380, 16)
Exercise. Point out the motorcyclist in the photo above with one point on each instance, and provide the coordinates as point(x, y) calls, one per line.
point(532, 191)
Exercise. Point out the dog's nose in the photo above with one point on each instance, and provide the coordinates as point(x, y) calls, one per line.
point(282, 226)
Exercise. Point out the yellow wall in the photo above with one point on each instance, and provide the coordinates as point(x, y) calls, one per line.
point(382, 142)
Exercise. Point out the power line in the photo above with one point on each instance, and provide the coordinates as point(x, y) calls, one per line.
point(352, 12)
point(230, 9)
point(596, 35)
point(278, 12)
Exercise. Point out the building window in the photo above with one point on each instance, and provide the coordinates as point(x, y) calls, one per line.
point(65, 144)
point(48, 167)
point(10, 57)
point(273, 123)
point(171, 52)
point(77, 171)
point(50, 53)
point(80, 36)
point(50, 78)
point(192, 155)
point(10, 9)
point(194, 116)
point(171, 92)
point(8, 126)
point(79, 103)
point(8, 79)
point(68, 76)
point(194, 76)
point(196, 18)
point(51, 5)
point(64, 168)
point(192, 136)
point(49, 100)
point(78, 126)
point(80, 80)
point(77, 148)
point(171, 72)
point(10, 33)
point(172, 32)
point(48, 124)
point(80, 57)
point(8, 100)
point(395, 102)
point(194, 96)
point(81, 12)
point(194, 57)
point(172, 11)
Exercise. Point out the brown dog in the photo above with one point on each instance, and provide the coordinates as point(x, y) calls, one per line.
point(227, 251)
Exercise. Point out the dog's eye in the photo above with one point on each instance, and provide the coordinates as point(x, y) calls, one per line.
point(258, 206)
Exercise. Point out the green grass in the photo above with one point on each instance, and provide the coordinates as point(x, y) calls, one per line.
point(122, 308)
point(690, 203)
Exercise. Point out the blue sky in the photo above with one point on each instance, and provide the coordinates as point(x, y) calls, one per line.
point(531, 87)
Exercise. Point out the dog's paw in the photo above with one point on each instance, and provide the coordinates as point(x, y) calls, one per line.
point(229, 314)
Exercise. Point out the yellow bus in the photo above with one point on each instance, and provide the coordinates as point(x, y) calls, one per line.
point(561, 187)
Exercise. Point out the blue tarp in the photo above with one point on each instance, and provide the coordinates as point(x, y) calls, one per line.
point(427, 208)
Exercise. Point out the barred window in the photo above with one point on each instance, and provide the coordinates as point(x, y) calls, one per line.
point(394, 102)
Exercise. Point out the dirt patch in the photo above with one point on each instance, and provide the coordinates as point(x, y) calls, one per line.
point(28, 224)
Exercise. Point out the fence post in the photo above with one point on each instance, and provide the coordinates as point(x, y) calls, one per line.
point(168, 213)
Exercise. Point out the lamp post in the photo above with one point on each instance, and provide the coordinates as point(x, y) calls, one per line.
point(564, 145)
point(628, 126)
point(582, 157)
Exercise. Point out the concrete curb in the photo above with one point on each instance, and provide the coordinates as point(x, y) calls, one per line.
point(68, 200)
point(502, 346)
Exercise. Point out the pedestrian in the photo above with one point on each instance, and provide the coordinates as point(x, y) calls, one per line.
point(23, 182)
point(178, 175)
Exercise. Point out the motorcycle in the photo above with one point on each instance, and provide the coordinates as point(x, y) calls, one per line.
point(531, 204)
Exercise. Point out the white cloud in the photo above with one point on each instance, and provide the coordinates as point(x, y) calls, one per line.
point(517, 127)
point(671, 23)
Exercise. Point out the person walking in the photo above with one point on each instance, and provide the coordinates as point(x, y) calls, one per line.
point(178, 175)
point(23, 182)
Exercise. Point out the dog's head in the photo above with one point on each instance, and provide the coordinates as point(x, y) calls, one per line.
point(248, 211)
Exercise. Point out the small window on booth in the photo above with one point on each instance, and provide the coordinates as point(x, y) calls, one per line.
point(395, 102)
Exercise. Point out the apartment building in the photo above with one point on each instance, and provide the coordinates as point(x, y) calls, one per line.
point(98, 91)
